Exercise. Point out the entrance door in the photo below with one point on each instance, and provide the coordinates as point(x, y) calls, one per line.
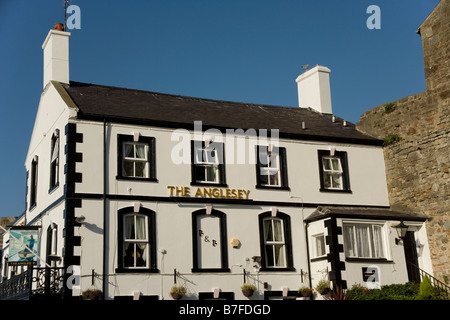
point(409, 244)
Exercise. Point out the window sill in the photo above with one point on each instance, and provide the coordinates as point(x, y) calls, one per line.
point(277, 269)
point(136, 179)
point(32, 207)
point(335, 190)
point(53, 188)
point(272, 188)
point(378, 260)
point(319, 258)
point(147, 270)
point(196, 270)
point(209, 184)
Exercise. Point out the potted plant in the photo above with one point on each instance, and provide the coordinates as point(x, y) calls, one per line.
point(323, 287)
point(248, 289)
point(177, 291)
point(92, 294)
point(305, 292)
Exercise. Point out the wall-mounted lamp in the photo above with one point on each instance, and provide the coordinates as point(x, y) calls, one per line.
point(401, 231)
point(256, 259)
point(80, 219)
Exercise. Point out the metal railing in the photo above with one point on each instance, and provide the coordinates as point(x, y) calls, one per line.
point(34, 283)
point(442, 290)
point(18, 287)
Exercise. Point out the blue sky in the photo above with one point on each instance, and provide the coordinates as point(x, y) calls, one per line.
point(238, 50)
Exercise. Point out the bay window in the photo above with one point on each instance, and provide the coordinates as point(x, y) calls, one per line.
point(364, 240)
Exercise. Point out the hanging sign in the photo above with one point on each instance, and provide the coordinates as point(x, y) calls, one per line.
point(23, 246)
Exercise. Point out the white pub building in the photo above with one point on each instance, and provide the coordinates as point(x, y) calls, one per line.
point(134, 191)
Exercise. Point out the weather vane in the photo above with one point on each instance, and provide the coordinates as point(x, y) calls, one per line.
point(66, 2)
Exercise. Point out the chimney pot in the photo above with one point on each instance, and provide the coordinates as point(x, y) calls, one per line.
point(58, 26)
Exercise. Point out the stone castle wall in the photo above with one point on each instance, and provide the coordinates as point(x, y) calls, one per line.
point(416, 130)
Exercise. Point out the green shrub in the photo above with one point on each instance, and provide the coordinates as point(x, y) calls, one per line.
point(426, 291)
point(407, 291)
point(390, 139)
point(388, 108)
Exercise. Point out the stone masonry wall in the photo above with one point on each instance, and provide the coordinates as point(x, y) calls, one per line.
point(416, 130)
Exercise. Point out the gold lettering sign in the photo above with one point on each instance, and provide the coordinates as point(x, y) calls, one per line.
point(208, 192)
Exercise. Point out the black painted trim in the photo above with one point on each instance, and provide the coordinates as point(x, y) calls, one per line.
point(279, 293)
point(151, 156)
point(151, 216)
point(34, 182)
point(223, 241)
point(287, 239)
point(190, 126)
point(72, 202)
point(284, 185)
point(333, 257)
point(221, 154)
point(210, 296)
point(345, 174)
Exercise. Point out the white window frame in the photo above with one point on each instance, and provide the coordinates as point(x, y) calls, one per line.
point(135, 159)
point(208, 162)
point(273, 243)
point(135, 242)
point(316, 238)
point(329, 173)
point(267, 168)
point(370, 237)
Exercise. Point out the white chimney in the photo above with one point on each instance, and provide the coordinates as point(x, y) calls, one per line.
point(56, 56)
point(314, 89)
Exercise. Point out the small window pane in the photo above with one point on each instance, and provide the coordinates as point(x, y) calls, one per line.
point(140, 169)
point(336, 164)
point(129, 151)
point(278, 230)
point(140, 151)
point(326, 163)
point(279, 255)
point(320, 245)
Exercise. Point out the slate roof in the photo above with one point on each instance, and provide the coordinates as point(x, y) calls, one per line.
point(363, 213)
point(153, 108)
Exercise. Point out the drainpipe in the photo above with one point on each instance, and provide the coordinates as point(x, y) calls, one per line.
point(104, 208)
point(307, 254)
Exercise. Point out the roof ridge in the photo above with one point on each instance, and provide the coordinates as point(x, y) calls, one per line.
point(192, 97)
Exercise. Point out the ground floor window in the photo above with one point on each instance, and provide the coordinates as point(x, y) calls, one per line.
point(275, 238)
point(363, 240)
point(137, 240)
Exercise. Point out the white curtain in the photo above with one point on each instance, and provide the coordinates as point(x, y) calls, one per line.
point(140, 228)
point(129, 153)
point(349, 237)
point(129, 227)
point(362, 240)
point(377, 243)
point(55, 151)
point(140, 151)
